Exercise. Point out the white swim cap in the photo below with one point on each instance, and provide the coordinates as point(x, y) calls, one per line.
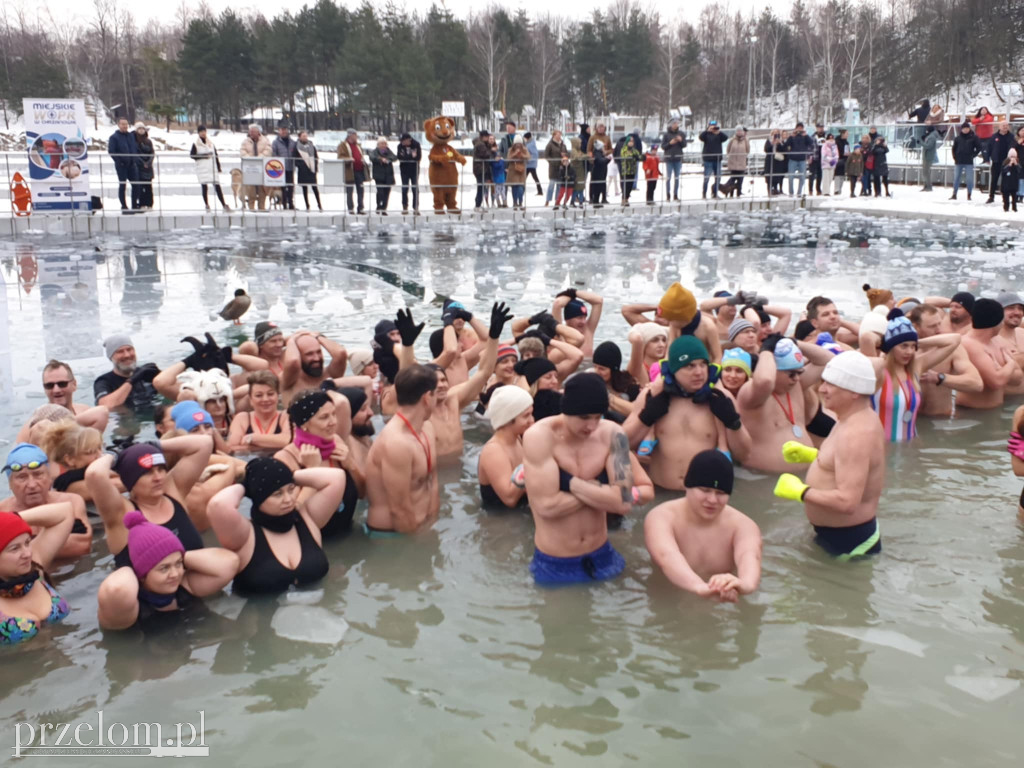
point(507, 403)
point(851, 371)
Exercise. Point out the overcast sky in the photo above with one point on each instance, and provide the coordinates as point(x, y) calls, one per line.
point(166, 11)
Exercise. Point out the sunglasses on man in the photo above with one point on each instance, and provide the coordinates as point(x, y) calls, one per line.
point(58, 384)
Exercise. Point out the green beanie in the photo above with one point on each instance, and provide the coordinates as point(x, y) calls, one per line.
point(684, 351)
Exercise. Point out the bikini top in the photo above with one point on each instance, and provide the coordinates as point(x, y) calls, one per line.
point(265, 574)
point(14, 630)
point(277, 425)
point(180, 525)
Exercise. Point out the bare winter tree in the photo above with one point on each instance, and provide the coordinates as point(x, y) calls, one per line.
point(548, 67)
point(488, 53)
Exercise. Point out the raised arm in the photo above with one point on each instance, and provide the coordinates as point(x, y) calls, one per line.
point(166, 382)
point(106, 497)
point(209, 570)
point(756, 392)
point(328, 486)
point(55, 520)
point(636, 313)
point(936, 349)
point(571, 361)
point(231, 528)
point(192, 453)
point(338, 353)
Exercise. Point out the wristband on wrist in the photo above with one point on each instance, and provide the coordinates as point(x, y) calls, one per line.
point(942, 378)
point(635, 492)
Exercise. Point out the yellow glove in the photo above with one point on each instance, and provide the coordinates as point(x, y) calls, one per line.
point(797, 453)
point(790, 487)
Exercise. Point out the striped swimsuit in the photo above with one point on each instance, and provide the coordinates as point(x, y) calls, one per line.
point(897, 406)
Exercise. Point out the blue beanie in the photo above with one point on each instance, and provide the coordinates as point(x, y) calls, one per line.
point(898, 331)
point(188, 415)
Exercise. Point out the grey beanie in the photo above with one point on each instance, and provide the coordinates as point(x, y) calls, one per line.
point(113, 343)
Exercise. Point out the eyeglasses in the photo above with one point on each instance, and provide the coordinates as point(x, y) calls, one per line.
point(19, 467)
point(58, 384)
point(794, 374)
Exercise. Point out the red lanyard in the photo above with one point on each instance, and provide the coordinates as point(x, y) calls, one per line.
point(790, 415)
point(906, 392)
point(259, 427)
point(424, 443)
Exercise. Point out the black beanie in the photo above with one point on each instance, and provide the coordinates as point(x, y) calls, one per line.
point(356, 397)
point(803, 329)
point(263, 476)
point(965, 300)
point(710, 469)
point(533, 368)
point(609, 355)
point(585, 394)
point(987, 313)
point(437, 342)
point(304, 408)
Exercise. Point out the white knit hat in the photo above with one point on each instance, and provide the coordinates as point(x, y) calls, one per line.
point(506, 404)
point(650, 331)
point(875, 321)
point(851, 371)
point(359, 358)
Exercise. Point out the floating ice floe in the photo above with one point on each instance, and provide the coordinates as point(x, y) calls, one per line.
point(883, 637)
point(985, 688)
point(309, 624)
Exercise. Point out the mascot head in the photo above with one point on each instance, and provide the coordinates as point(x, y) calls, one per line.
point(439, 130)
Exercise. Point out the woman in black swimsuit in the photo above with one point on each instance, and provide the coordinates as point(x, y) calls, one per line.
point(511, 414)
point(281, 545)
point(163, 578)
point(157, 493)
point(265, 429)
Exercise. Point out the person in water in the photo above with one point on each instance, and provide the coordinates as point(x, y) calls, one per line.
point(845, 479)
point(701, 543)
point(265, 428)
point(154, 491)
point(511, 414)
point(27, 601)
point(163, 578)
point(73, 447)
point(990, 355)
point(316, 442)
point(280, 545)
point(577, 470)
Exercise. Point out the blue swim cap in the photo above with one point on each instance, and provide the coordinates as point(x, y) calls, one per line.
point(22, 455)
point(737, 358)
point(188, 415)
point(788, 356)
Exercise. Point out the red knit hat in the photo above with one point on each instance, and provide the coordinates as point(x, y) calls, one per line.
point(11, 527)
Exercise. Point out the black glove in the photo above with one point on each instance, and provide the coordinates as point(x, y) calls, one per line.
point(463, 314)
point(215, 356)
point(771, 342)
point(328, 385)
point(722, 408)
point(546, 324)
point(119, 445)
point(539, 317)
point(500, 314)
point(406, 328)
point(654, 408)
point(570, 292)
point(448, 317)
point(145, 373)
point(197, 360)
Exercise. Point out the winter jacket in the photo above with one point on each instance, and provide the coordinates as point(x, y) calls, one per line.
point(482, 156)
point(819, 142)
point(855, 165)
point(505, 145)
point(207, 161)
point(673, 149)
point(565, 175)
point(713, 144)
point(260, 149)
point(881, 165)
point(355, 158)
point(843, 147)
point(285, 149)
point(629, 162)
point(497, 166)
point(737, 152)
point(772, 165)
point(984, 126)
point(381, 166)
point(1000, 145)
point(146, 156)
point(531, 147)
point(652, 171)
point(829, 155)
point(307, 162)
point(921, 113)
point(1009, 178)
point(966, 148)
point(578, 161)
point(799, 147)
point(123, 148)
point(602, 137)
point(600, 170)
point(936, 117)
point(929, 144)
point(518, 155)
point(553, 154)
point(409, 156)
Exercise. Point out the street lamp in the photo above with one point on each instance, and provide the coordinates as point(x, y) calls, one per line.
point(750, 70)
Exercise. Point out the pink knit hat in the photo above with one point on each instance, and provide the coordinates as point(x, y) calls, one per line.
point(148, 543)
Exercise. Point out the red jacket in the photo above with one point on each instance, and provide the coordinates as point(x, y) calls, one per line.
point(651, 170)
point(984, 126)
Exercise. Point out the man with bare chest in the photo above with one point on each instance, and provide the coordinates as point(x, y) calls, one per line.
point(845, 479)
point(955, 374)
point(989, 354)
point(577, 471)
point(1011, 334)
point(700, 542)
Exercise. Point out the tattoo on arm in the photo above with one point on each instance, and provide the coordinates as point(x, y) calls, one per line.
point(622, 470)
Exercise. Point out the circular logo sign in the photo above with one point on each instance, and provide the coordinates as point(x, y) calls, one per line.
point(274, 169)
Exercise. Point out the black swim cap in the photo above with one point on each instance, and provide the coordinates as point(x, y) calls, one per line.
point(263, 476)
point(356, 397)
point(585, 394)
point(987, 313)
point(710, 469)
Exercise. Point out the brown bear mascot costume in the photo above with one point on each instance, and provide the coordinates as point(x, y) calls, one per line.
point(443, 175)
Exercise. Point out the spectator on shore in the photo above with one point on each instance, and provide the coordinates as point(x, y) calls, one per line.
point(966, 147)
point(880, 167)
point(775, 164)
point(147, 157)
point(936, 117)
point(984, 126)
point(1009, 180)
point(713, 139)
point(1020, 145)
point(355, 169)
point(482, 157)
point(553, 154)
point(578, 160)
point(737, 153)
point(829, 162)
point(307, 163)
point(585, 149)
point(629, 165)
point(814, 161)
point(531, 164)
point(866, 145)
point(920, 112)
point(999, 147)
point(652, 172)
point(518, 155)
point(124, 151)
point(498, 167)
point(843, 147)
point(672, 144)
point(598, 174)
point(565, 177)
point(409, 156)
point(510, 136)
point(381, 159)
point(207, 166)
point(601, 134)
point(799, 148)
point(256, 145)
point(929, 156)
point(283, 147)
point(855, 168)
